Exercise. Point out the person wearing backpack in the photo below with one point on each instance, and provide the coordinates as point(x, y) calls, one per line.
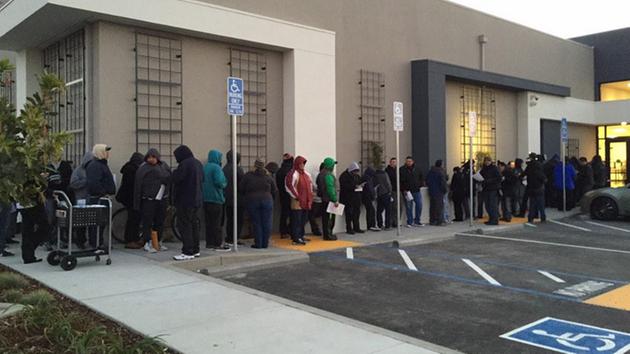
point(78, 180)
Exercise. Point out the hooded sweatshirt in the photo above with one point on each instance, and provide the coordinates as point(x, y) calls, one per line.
point(187, 179)
point(369, 191)
point(326, 188)
point(436, 181)
point(227, 172)
point(299, 184)
point(214, 181)
point(150, 178)
point(128, 171)
point(348, 182)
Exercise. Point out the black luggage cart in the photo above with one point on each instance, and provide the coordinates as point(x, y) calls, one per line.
point(84, 216)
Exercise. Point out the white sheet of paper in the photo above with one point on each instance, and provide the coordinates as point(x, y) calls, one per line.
point(337, 210)
point(478, 177)
point(160, 194)
point(359, 189)
point(408, 196)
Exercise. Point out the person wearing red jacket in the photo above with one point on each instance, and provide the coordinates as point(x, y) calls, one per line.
point(299, 186)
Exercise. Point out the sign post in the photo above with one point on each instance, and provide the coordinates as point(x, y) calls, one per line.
point(398, 127)
point(235, 108)
point(472, 131)
point(564, 137)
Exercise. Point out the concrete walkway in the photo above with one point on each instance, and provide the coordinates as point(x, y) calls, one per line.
point(199, 314)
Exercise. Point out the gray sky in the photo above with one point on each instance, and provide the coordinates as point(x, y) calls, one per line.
point(562, 18)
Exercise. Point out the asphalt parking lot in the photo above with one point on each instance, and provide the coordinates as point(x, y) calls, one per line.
point(467, 292)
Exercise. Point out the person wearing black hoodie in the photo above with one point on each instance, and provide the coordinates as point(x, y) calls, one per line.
point(491, 185)
point(125, 197)
point(229, 199)
point(536, 181)
point(391, 173)
point(368, 197)
point(436, 182)
point(459, 193)
point(151, 194)
point(600, 173)
point(187, 179)
point(285, 199)
point(350, 196)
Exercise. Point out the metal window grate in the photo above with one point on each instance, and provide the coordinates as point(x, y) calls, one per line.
point(159, 104)
point(7, 87)
point(480, 100)
point(372, 117)
point(251, 128)
point(573, 148)
point(66, 58)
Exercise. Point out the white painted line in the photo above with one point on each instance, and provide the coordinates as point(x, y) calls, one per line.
point(530, 224)
point(349, 253)
point(545, 243)
point(407, 260)
point(551, 276)
point(569, 225)
point(485, 275)
point(607, 226)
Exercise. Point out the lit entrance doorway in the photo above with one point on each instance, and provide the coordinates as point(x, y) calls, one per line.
point(613, 144)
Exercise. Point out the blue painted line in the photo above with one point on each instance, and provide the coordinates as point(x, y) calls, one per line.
point(444, 276)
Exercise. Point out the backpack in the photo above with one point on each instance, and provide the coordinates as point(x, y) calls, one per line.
point(78, 180)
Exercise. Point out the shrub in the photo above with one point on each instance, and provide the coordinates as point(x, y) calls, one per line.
point(11, 296)
point(37, 298)
point(12, 281)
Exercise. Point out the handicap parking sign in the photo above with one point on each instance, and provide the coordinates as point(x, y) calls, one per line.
point(570, 337)
point(235, 101)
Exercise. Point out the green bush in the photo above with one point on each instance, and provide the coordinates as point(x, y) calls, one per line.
point(12, 296)
point(12, 281)
point(37, 298)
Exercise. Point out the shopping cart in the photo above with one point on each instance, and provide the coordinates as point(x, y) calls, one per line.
point(70, 217)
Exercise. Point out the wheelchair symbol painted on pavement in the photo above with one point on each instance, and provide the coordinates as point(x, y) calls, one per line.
point(570, 337)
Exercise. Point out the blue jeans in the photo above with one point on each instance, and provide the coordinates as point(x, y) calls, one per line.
point(298, 219)
point(261, 212)
point(536, 208)
point(417, 200)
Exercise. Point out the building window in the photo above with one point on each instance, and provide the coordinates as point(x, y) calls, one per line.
point(613, 145)
point(482, 101)
point(251, 128)
point(372, 118)
point(615, 91)
point(159, 119)
point(573, 148)
point(66, 59)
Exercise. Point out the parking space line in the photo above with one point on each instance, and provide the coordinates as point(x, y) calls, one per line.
point(569, 225)
point(349, 253)
point(481, 272)
point(551, 276)
point(407, 260)
point(530, 224)
point(544, 243)
point(607, 226)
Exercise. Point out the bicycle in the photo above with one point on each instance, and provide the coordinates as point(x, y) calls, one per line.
point(119, 220)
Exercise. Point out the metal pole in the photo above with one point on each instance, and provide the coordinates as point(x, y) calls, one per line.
point(235, 186)
point(470, 217)
point(564, 183)
point(397, 199)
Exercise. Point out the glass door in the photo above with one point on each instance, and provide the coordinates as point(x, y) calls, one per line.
point(617, 160)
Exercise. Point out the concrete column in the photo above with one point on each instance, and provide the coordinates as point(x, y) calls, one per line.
point(28, 64)
point(309, 106)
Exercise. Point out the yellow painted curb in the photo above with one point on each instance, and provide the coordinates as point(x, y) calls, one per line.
point(616, 299)
point(317, 244)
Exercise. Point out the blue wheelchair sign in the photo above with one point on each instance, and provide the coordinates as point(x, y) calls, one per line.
point(235, 101)
point(570, 337)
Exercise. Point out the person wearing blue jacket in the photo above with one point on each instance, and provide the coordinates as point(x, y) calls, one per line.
point(214, 183)
point(569, 180)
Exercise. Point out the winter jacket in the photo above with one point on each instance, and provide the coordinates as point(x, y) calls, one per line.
point(258, 185)
point(187, 179)
point(585, 180)
point(459, 185)
point(491, 178)
point(214, 181)
point(150, 179)
point(369, 187)
point(391, 173)
point(78, 180)
point(436, 181)
point(100, 181)
point(228, 173)
point(128, 172)
point(383, 182)
point(599, 174)
point(299, 184)
point(411, 179)
point(536, 179)
point(348, 182)
point(281, 177)
point(326, 188)
point(510, 183)
point(569, 177)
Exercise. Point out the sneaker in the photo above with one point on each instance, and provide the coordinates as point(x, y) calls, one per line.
point(162, 247)
point(409, 226)
point(197, 255)
point(149, 248)
point(374, 228)
point(299, 242)
point(6, 254)
point(223, 248)
point(359, 231)
point(183, 257)
point(418, 224)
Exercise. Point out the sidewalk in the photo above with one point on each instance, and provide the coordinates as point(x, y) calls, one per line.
point(199, 314)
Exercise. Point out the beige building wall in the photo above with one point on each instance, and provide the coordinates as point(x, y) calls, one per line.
point(385, 35)
point(205, 68)
point(506, 124)
point(587, 134)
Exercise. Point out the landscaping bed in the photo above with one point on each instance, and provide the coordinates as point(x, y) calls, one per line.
point(53, 323)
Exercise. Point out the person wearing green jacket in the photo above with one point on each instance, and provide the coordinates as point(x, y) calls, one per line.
point(214, 183)
point(327, 190)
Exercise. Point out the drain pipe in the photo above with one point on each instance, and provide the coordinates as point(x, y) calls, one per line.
point(482, 51)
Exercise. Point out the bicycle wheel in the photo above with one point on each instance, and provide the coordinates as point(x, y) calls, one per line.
point(174, 226)
point(119, 222)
